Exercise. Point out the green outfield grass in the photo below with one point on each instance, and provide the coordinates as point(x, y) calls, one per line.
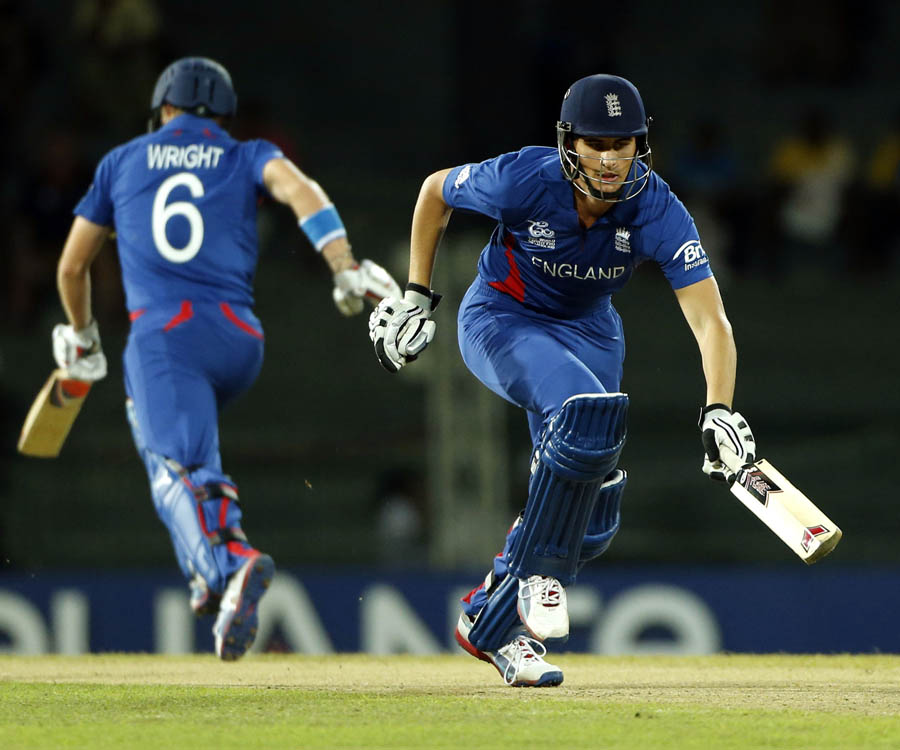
point(355, 701)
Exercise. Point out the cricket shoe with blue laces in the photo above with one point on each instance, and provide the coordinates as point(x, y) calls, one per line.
point(238, 618)
point(542, 607)
point(520, 662)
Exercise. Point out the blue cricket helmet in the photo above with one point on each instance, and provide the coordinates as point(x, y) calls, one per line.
point(608, 106)
point(197, 85)
point(603, 105)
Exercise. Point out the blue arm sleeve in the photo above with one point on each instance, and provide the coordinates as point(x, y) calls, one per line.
point(97, 205)
point(678, 250)
point(263, 153)
point(491, 187)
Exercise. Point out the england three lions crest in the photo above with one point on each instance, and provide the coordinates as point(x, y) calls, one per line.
point(623, 240)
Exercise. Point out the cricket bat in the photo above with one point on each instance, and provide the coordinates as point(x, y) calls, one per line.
point(52, 414)
point(786, 511)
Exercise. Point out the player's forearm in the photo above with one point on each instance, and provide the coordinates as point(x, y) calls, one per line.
point(338, 256)
point(75, 295)
point(719, 356)
point(73, 274)
point(702, 306)
point(429, 222)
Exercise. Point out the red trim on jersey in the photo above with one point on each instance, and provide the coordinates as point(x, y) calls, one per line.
point(512, 284)
point(135, 314)
point(185, 314)
point(245, 327)
point(223, 513)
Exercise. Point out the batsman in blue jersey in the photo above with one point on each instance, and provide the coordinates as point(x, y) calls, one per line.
point(538, 328)
point(183, 202)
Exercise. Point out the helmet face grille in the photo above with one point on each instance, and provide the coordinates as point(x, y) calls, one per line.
point(636, 180)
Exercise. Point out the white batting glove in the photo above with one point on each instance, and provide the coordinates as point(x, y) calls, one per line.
point(400, 329)
point(367, 280)
point(727, 441)
point(79, 352)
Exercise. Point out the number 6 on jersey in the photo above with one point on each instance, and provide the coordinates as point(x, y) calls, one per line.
point(163, 212)
point(786, 511)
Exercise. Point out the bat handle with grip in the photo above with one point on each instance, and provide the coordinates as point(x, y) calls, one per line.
point(730, 459)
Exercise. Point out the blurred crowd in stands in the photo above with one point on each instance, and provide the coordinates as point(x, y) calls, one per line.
point(822, 201)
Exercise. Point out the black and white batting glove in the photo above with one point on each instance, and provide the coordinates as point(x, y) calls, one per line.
point(79, 352)
point(400, 329)
point(728, 442)
point(366, 280)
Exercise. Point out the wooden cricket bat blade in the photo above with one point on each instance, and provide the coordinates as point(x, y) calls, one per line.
point(51, 415)
point(789, 513)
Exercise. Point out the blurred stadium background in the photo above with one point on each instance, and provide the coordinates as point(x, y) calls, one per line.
point(778, 123)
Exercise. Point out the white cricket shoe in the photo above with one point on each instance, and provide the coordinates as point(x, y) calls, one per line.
point(542, 607)
point(520, 662)
point(238, 618)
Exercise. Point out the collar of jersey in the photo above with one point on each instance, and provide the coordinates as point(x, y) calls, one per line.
point(187, 121)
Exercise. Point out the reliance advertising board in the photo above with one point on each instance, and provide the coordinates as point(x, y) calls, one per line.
point(630, 610)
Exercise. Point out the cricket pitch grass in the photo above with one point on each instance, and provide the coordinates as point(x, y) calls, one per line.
point(451, 701)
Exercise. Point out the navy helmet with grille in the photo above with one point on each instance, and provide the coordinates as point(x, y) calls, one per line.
point(603, 106)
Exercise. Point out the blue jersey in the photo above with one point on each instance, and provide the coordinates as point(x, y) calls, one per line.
point(183, 203)
point(541, 254)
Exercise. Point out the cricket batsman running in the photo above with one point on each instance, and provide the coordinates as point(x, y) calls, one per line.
point(182, 200)
point(537, 327)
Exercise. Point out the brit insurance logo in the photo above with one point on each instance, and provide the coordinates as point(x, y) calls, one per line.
point(623, 240)
point(541, 235)
point(693, 254)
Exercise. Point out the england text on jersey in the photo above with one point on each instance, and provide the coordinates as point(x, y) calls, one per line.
point(574, 271)
point(164, 156)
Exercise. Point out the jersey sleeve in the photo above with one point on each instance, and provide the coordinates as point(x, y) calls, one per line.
point(493, 187)
point(261, 154)
point(97, 205)
point(677, 246)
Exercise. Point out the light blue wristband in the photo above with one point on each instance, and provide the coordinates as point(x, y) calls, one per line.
point(323, 226)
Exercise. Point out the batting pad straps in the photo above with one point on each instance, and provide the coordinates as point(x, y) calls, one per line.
point(213, 490)
point(580, 449)
point(323, 226)
point(604, 522)
point(223, 536)
point(498, 621)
